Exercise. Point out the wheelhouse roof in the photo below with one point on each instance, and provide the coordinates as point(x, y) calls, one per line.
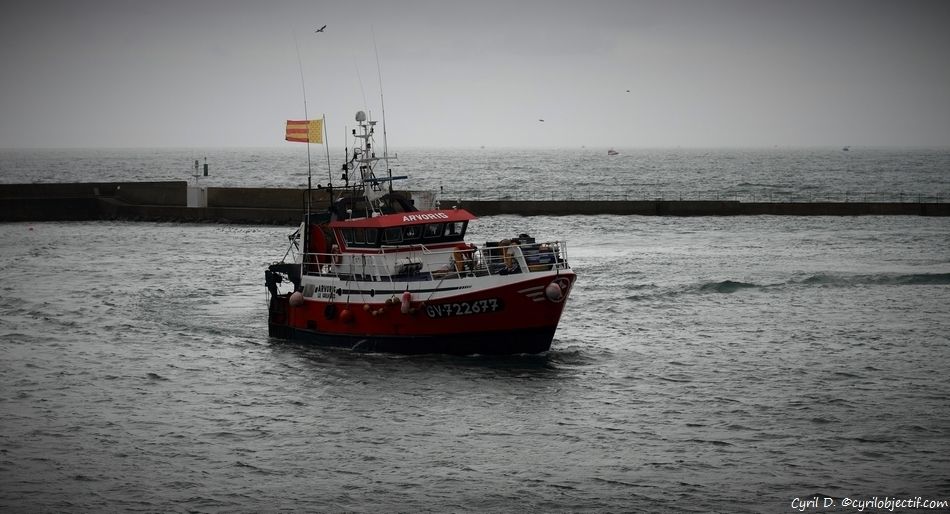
point(406, 218)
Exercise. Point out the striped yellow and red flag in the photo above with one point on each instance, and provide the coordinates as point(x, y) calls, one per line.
point(304, 131)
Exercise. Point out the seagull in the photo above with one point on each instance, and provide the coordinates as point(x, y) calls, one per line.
point(321, 29)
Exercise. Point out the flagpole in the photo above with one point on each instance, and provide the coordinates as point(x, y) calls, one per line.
point(326, 147)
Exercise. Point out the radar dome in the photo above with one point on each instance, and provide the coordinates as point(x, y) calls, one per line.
point(360, 116)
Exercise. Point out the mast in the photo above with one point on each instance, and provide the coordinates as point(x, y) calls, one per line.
point(382, 105)
point(309, 201)
point(366, 160)
point(303, 88)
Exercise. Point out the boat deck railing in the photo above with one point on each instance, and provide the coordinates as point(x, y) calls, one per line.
point(424, 263)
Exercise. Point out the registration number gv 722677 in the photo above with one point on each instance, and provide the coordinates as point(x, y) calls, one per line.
point(446, 310)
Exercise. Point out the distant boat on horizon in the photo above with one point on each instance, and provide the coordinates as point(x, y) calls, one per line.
point(612, 152)
point(846, 149)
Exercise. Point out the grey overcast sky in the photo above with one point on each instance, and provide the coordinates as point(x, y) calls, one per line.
point(197, 73)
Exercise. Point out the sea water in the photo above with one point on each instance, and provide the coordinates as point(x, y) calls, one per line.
point(775, 174)
point(702, 364)
point(726, 364)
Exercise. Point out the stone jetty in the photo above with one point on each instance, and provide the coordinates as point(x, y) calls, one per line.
point(169, 201)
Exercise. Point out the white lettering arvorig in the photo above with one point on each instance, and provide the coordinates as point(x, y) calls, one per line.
point(426, 217)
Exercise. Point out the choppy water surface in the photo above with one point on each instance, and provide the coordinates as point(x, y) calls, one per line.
point(703, 364)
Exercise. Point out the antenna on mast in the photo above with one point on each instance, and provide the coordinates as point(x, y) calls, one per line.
point(360, 79)
point(382, 106)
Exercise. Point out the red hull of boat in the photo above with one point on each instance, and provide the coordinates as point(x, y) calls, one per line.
point(513, 318)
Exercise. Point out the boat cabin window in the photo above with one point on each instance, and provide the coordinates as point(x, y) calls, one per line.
point(360, 237)
point(411, 233)
point(392, 235)
point(347, 235)
point(372, 237)
point(455, 231)
point(429, 233)
point(433, 230)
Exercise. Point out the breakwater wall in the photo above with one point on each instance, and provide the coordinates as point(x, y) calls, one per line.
point(702, 208)
point(168, 201)
point(151, 201)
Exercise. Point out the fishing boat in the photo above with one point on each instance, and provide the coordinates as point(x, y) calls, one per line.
point(371, 273)
point(612, 152)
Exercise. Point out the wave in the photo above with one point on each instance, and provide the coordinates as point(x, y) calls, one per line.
point(647, 292)
point(819, 279)
point(726, 286)
point(759, 184)
point(886, 279)
point(835, 280)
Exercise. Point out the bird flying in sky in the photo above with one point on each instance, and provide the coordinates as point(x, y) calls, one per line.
point(321, 29)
